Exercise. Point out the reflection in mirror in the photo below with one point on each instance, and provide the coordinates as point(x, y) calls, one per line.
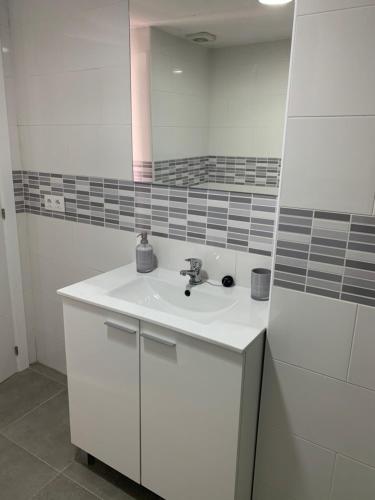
point(209, 83)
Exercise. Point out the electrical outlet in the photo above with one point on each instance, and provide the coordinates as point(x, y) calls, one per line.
point(54, 203)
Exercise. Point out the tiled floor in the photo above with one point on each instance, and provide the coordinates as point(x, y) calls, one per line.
point(36, 458)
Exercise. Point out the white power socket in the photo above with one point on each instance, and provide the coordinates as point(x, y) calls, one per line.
point(55, 203)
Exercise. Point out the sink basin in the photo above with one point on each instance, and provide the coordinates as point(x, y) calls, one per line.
point(156, 294)
point(226, 317)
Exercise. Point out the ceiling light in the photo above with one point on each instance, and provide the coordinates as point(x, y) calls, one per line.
point(274, 2)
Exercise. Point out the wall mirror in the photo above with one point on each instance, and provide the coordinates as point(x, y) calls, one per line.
point(209, 85)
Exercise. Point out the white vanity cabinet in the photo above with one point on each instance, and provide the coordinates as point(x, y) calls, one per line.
point(172, 412)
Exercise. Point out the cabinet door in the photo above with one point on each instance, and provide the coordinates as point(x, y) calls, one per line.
point(102, 350)
point(190, 398)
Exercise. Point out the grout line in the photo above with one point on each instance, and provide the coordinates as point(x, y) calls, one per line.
point(75, 481)
point(333, 476)
point(32, 454)
point(339, 9)
point(2, 429)
point(309, 370)
point(35, 370)
point(319, 117)
point(352, 343)
point(44, 485)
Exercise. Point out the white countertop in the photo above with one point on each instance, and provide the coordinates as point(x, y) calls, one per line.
point(234, 328)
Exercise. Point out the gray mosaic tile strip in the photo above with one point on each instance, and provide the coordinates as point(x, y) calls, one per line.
point(326, 253)
point(214, 169)
point(239, 221)
point(244, 170)
point(181, 172)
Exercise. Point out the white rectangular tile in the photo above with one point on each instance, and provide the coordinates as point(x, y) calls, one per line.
point(102, 249)
point(333, 65)
point(323, 410)
point(328, 148)
point(353, 480)
point(362, 363)
point(311, 331)
point(290, 468)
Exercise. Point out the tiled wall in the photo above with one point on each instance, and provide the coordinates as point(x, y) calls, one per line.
point(181, 172)
point(216, 169)
point(248, 99)
point(317, 423)
point(327, 253)
point(244, 170)
point(238, 221)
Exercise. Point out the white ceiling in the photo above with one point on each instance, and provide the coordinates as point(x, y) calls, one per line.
point(234, 22)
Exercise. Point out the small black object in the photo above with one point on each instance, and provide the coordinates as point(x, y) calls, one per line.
point(187, 293)
point(227, 281)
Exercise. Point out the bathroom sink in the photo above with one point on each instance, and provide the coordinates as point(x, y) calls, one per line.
point(162, 296)
point(227, 317)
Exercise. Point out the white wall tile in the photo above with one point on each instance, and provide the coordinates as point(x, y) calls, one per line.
point(115, 95)
point(290, 468)
point(248, 99)
point(179, 142)
point(61, 99)
point(323, 410)
point(100, 151)
point(179, 102)
point(328, 164)
point(362, 363)
point(102, 249)
point(311, 331)
point(50, 237)
point(353, 480)
point(313, 6)
point(44, 148)
point(333, 66)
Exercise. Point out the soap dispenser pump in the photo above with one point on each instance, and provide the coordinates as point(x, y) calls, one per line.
point(144, 255)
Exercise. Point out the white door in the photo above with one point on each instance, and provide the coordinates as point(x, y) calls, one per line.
point(190, 400)
point(7, 355)
point(102, 355)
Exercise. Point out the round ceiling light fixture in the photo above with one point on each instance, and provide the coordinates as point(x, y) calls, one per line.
point(274, 2)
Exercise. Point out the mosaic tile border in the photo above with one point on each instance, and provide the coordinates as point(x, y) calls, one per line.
point(181, 172)
point(238, 221)
point(193, 171)
point(243, 170)
point(326, 253)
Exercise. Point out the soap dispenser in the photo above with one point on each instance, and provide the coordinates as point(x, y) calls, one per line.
point(144, 255)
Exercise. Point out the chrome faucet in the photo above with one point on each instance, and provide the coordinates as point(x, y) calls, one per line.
point(194, 272)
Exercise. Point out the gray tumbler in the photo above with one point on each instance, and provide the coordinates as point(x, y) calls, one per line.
point(260, 283)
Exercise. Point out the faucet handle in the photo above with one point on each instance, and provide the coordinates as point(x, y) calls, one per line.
point(194, 262)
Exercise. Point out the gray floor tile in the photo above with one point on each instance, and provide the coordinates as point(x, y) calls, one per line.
point(49, 372)
point(62, 488)
point(107, 483)
point(44, 432)
point(21, 475)
point(23, 392)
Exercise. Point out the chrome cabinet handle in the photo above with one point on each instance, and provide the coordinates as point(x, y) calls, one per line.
point(160, 340)
point(119, 327)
